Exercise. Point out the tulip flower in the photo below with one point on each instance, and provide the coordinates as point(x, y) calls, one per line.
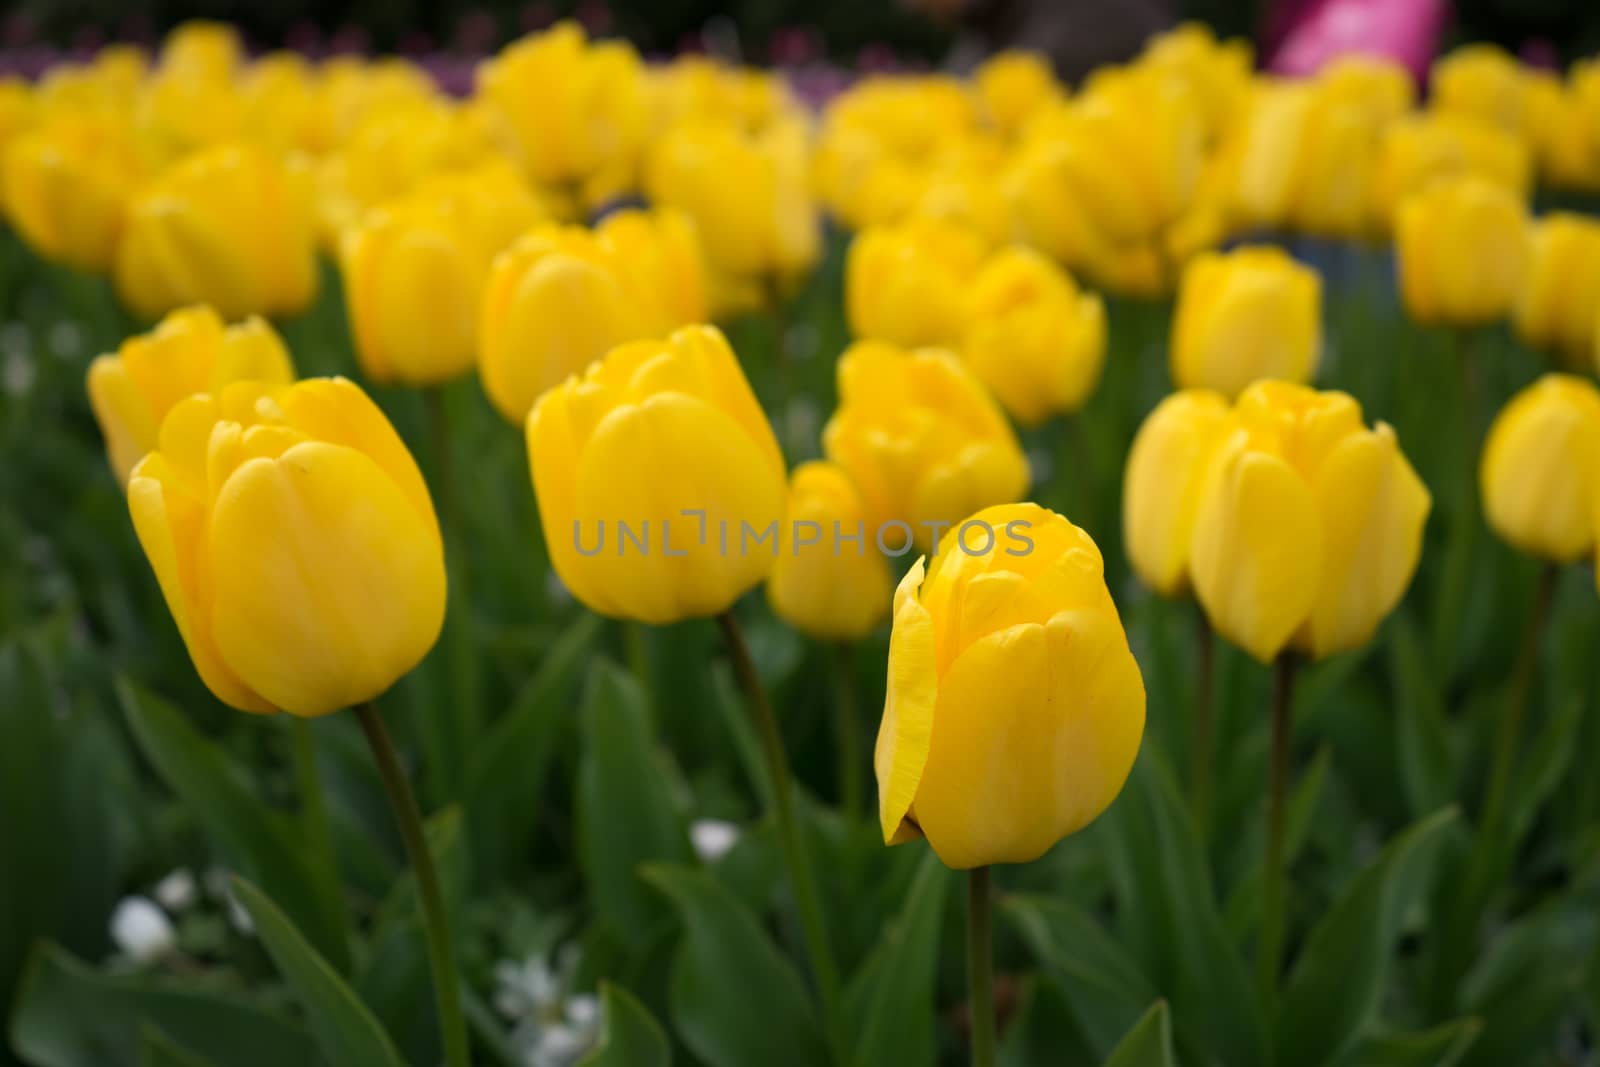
point(1462, 248)
point(1245, 315)
point(191, 351)
point(695, 87)
point(1033, 337)
point(354, 92)
point(1556, 309)
point(1540, 473)
point(415, 271)
point(1309, 525)
point(907, 284)
point(1420, 149)
point(923, 441)
point(295, 543)
point(1012, 717)
point(660, 483)
point(1013, 86)
point(65, 187)
point(560, 298)
point(1216, 72)
point(1486, 82)
point(820, 585)
point(201, 49)
point(1162, 482)
point(229, 227)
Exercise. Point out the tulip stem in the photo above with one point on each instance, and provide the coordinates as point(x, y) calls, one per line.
point(802, 881)
point(848, 731)
point(1269, 946)
point(436, 924)
point(318, 833)
point(1203, 754)
point(980, 966)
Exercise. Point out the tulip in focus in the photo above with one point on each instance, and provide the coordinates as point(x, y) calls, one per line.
point(1034, 338)
point(1161, 486)
point(922, 439)
point(65, 186)
point(191, 351)
point(1014, 708)
point(1462, 248)
point(1540, 474)
point(1309, 525)
point(295, 543)
point(1558, 308)
point(829, 589)
point(230, 227)
point(908, 284)
point(1245, 315)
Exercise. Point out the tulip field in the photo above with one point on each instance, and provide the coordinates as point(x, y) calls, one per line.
point(632, 563)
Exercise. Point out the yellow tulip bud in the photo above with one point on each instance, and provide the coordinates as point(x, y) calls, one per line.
point(295, 543)
point(1556, 309)
point(822, 585)
point(353, 92)
point(1034, 338)
point(907, 284)
point(1216, 72)
point(415, 272)
point(1421, 149)
point(229, 227)
point(278, 100)
point(66, 185)
point(18, 110)
point(190, 352)
point(1462, 248)
point(922, 439)
point(1161, 485)
point(694, 86)
point(660, 483)
point(1309, 525)
point(1014, 708)
point(1013, 86)
point(201, 49)
point(1484, 81)
point(1540, 473)
point(561, 297)
point(1245, 315)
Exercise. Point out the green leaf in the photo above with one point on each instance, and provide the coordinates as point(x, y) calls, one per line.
point(345, 1029)
point(725, 968)
point(1044, 1028)
point(891, 1000)
point(1338, 978)
point(1443, 1046)
point(158, 1050)
point(1244, 904)
point(1149, 1043)
point(1541, 769)
point(626, 814)
point(69, 1015)
point(1422, 740)
point(1530, 976)
point(257, 838)
point(629, 1034)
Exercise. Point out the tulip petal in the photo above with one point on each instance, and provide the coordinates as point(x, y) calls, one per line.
point(908, 710)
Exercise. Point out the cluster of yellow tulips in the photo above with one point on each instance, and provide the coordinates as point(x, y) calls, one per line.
point(296, 541)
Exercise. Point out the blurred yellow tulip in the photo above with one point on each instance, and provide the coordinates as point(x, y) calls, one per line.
point(1309, 525)
point(907, 283)
point(353, 92)
point(823, 587)
point(66, 186)
point(1014, 708)
point(1244, 315)
point(695, 86)
point(189, 352)
point(1461, 247)
point(1216, 72)
point(201, 49)
point(1566, 147)
point(1012, 86)
point(922, 439)
point(1161, 485)
point(295, 543)
point(415, 272)
point(279, 102)
point(1558, 308)
point(1034, 338)
point(1420, 149)
point(1540, 473)
point(1486, 82)
point(661, 451)
point(229, 227)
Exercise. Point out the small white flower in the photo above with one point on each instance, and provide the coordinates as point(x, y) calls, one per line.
point(141, 930)
point(559, 1046)
point(583, 1010)
point(712, 838)
point(526, 990)
point(177, 891)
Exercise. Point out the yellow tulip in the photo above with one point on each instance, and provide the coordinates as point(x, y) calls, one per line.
point(108, 85)
point(66, 184)
point(1245, 315)
point(278, 101)
point(1012, 87)
point(1540, 473)
point(1566, 146)
point(1033, 337)
point(353, 92)
point(907, 284)
point(660, 483)
point(561, 297)
point(191, 351)
point(922, 439)
point(1217, 72)
point(694, 86)
point(295, 543)
point(1557, 307)
point(1014, 708)
point(1420, 149)
point(822, 586)
point(1486, 82)
point(1309, 525)
point(1461, 246)
point(201, 49)
point(229, 227)
point(18, 110)
point(415, 272)
point(1161, 485)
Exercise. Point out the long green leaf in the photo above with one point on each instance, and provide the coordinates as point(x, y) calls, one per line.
point(1149, 1043)
point(629, 1034)
point(1443, 1046)
point(158, 1050)
point(344, 1027)
point(892, 999)
point(1422, 740)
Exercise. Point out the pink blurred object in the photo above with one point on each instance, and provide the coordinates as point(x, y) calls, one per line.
point(1317, 31)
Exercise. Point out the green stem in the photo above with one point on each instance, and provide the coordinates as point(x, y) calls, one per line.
point(1270, 944)
point(847, 732)
point(436, 924)
point(980, 966)
point(459, 730)
point(317, 830)
point(1203, 754)
point(801, 879)
point(1508, 738)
